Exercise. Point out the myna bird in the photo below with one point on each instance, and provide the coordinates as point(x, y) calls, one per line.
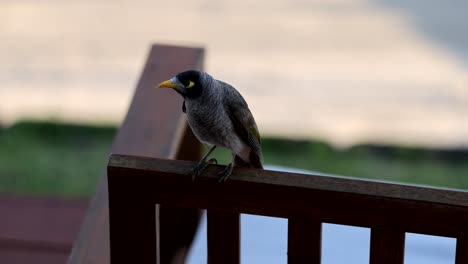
point(218, 116)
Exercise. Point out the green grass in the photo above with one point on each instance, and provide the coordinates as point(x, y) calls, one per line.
point(66, 160)
point(402, 164)
point(57, 159)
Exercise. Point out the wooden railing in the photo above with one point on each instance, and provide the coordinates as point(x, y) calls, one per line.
point(141, 232)
point(390, 210)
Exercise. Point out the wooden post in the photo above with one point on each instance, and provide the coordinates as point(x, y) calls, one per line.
point(462, 250)
point(223, 237)
point(149, 130)
point(132, 226)
point(304, 241)
point(387, 246)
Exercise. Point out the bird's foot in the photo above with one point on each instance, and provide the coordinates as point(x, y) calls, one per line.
point(225, 173)
point(202, 166)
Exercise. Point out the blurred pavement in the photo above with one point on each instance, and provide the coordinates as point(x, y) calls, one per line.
point(341, 70)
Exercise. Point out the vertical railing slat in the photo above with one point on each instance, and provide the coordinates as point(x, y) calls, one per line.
point(387, 246)
point(132, 229)
point(304, 241)
point(462, 251)
point(223, 237)
point(179, 225)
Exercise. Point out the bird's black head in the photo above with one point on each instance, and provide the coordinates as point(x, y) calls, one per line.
point(187, 83)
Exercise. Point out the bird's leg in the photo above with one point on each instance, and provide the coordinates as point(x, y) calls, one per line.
point(227, 171)
point(203, 163)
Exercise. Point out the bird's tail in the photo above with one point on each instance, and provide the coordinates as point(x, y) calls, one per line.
point(254, 161)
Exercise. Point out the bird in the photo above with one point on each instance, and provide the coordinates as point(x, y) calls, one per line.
point(218, 116)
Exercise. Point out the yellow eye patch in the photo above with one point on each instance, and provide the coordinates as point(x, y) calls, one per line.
point(190, 84)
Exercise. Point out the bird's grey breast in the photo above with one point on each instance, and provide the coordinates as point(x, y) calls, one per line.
point(208, 121)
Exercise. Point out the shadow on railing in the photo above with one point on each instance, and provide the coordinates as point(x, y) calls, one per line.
point(143, 232)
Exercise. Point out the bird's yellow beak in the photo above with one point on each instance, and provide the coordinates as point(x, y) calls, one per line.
point(167, 84)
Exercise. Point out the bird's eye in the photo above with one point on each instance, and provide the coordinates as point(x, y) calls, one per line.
point(190, 85)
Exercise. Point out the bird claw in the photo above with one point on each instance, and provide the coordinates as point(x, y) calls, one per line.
point(225, 173)
point(202, 166)
point(199, 169)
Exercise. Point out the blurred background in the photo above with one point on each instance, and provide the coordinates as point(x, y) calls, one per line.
point(363, 88)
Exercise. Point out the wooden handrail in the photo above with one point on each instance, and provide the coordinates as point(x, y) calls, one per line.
point(388, 209)
point(154, 126)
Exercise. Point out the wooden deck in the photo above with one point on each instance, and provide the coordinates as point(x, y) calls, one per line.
point(38, 229)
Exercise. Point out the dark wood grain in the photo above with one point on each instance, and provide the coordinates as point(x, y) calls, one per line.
point(462, 250)
point(387, 246)
point(320, 198)
point(304, 241)
point(149, 129)
point(223, 233)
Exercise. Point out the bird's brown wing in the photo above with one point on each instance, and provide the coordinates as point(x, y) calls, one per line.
point(244, 124)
